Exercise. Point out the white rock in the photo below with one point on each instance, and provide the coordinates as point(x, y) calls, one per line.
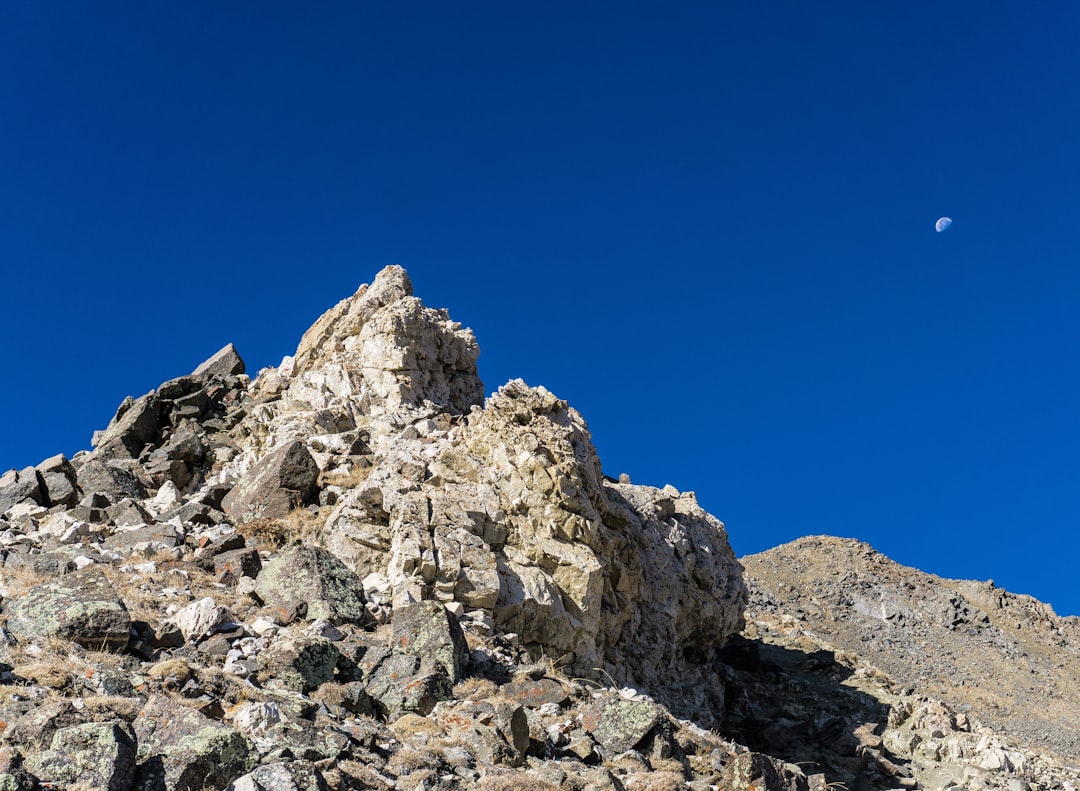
point(200, 618)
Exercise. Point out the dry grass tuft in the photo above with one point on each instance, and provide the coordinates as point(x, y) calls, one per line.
point(298, 527)
point(350, 480)
point(655, 781)
point(52, 673)
point(473, 688)
point(517, 781)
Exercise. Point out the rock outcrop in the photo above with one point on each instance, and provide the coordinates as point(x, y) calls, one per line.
point(354, 572)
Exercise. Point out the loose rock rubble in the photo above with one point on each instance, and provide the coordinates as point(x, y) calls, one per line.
point(354, 572)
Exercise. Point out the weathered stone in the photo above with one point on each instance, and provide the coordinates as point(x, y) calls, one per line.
point(398, 684)
point(157, 534)
point(243, 562)
point(59, 488)
point(425, 629)
point(308, 741)
point(96, 755)
point(618, 724)
point(180, 749)
point(224, 362)
point(331, 590)
point(82, 607)
point(750, 771)
point(282, 480)
point(295, 775)
point(17, 486)
point(128, 513)
point(133, 428)
point(110, 478)
point(200, 618)
point(302, 663)
point(534, 694)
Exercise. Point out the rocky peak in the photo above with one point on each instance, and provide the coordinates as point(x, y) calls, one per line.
point(355, 573)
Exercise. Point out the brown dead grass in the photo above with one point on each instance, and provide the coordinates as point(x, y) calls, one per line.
point(350, 480)
point(473, 688)
point(518, 781)
point(298, 527)
point(654, 781)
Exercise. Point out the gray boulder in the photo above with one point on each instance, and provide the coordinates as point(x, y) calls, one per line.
point(95, 754)
point(112, 478)
point(224, 362)
point(58, 481)
point(82, 607)
point(135, 426)
point(302, 664)
point(315, 576)
point(17, 486)
point(181, 749)
point(279, 482)
point(427, 630)
point(291, 776)
point(618, 724)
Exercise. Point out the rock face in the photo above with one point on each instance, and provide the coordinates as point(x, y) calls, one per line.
point(354, 572)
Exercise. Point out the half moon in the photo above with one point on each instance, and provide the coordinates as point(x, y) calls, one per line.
point(942, 224)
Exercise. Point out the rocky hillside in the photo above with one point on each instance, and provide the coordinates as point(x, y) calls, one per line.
point(354, 572)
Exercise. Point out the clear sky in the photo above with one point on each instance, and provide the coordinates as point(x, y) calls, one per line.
point(709, 226)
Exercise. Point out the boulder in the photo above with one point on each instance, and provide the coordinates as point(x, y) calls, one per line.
point(425, 629)
point(302, 663)
point(279, 482)
point(183, 750)
point(224, 362)
point(82, 607)
point(618, 724)
point(17, 486)
point(135, 426)
point(296, 775)
point(96, 755)
point(315, 576)
point(399, 684)
point(113, 479)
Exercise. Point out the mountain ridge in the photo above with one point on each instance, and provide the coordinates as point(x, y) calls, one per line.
point(355, 571)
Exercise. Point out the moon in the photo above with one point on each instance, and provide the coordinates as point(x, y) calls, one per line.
point(942, 224)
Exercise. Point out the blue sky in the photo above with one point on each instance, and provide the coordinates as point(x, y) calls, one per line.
point(709, 227)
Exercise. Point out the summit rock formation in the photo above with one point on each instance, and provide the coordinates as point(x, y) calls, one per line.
point(356, 571)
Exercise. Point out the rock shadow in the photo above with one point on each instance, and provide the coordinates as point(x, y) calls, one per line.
point(803, 708)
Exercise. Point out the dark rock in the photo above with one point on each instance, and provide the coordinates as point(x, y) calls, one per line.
point(331, 589)
point(181, 749)
point(279, 482)
point(185, 444)
point(160, 470)
point(12, 775)
point(134, 427)
point(224, 362)
point(59, 489)
point(128, 513)
point(95, 754)
point(17, 486)
point(82, 607)
point(110, 478)
point(58, 480)
point(243, 562)
point(425, 629)
point(758, 772)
